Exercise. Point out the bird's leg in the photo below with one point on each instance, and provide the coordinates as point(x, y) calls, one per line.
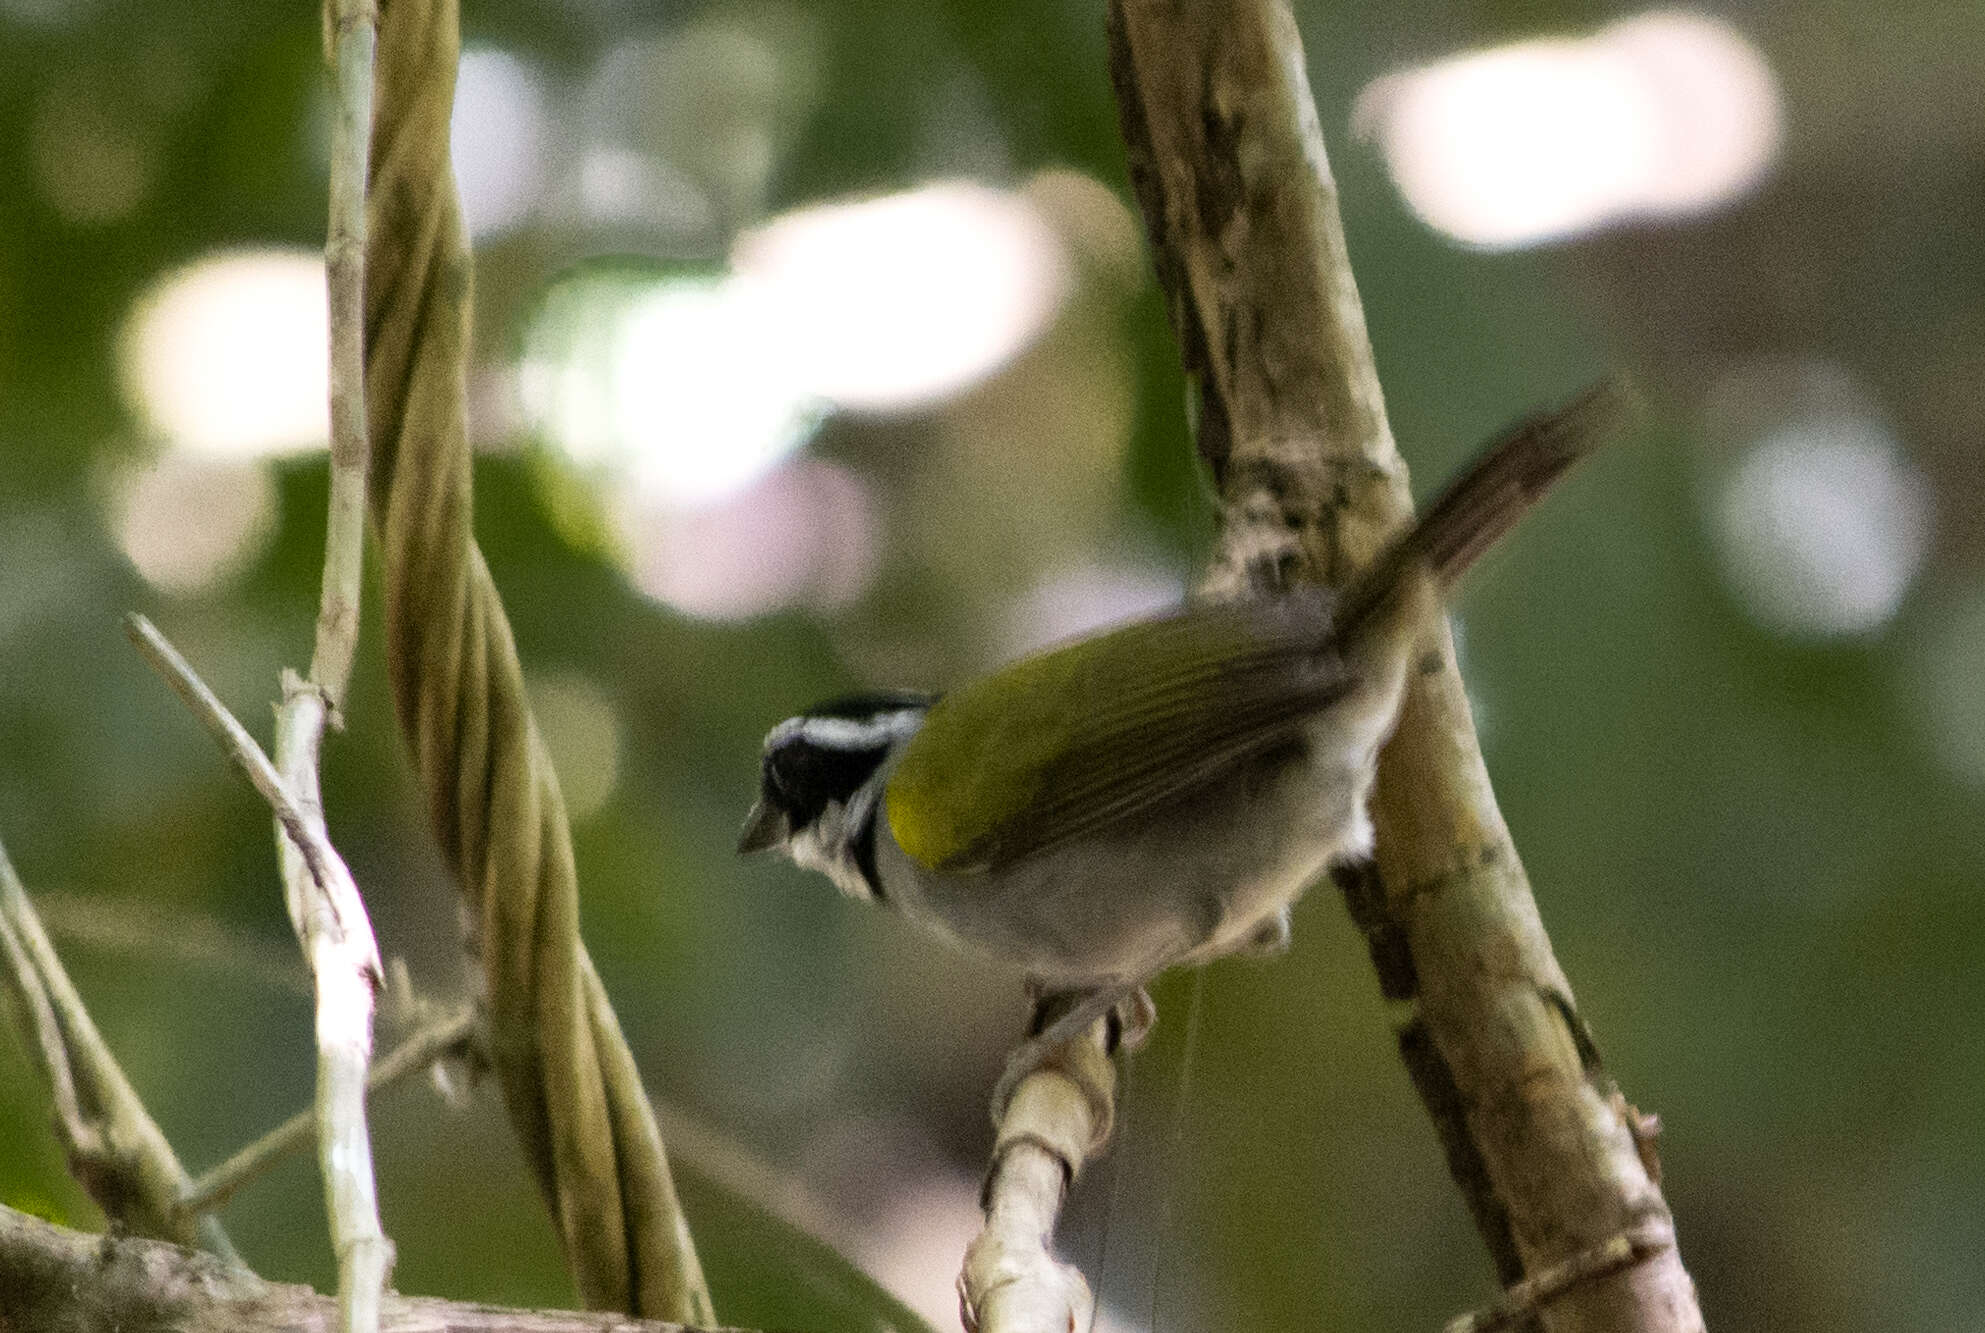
point(1062, 1016)
point(1133, 1018)
point(1130, 1016)
point(1269, 938)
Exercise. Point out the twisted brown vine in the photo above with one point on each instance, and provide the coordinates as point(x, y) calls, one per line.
point(568, 1079)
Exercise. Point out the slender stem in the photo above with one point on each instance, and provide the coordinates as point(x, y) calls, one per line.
point(330, 921)
point(354, 28)
point(115, 1148)
point(329, 915)
point(25, 980)
point(1011, 1284)
point(336, 936)
point(1523, 1299)
point(234, 739)
point(214, 1188)
point(1057, 1119)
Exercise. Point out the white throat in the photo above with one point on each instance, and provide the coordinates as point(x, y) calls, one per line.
point(828, 843)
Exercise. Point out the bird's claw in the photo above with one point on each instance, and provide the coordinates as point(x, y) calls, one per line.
point(1065, 1016)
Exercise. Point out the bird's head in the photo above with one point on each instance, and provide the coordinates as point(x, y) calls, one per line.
point(820, 782)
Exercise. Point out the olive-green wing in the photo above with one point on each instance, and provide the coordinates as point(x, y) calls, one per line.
point(1072, 740)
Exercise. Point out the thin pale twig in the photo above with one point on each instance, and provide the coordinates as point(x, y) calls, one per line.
point(353, 36)
point(234, 739)
point(214, 1188)
point(1524, 1298)
point(115, 1148)
point(331, 925)
point(31, 992)
point(329, 914)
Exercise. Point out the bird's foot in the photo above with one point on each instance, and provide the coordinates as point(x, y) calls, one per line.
point(1269, 938)
point(1063, 1016)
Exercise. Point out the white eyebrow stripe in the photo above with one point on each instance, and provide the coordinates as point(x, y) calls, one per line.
point(847, 733)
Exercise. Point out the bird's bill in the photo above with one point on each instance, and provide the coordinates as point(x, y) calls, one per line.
point(764, 827)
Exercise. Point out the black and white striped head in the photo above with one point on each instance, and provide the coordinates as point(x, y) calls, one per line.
point(820, 784)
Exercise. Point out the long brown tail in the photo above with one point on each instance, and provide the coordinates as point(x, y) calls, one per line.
point(1487, 499)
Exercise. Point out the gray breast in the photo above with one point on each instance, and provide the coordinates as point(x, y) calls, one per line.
point(1187, 881)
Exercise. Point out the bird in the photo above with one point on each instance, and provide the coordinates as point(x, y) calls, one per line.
point(1154, 795)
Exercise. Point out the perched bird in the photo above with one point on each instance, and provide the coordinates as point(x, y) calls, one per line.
point(1155, 794)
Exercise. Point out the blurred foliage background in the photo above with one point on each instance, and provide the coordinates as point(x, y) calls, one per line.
point(817, 348)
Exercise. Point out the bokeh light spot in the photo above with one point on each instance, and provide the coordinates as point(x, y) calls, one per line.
point(666, 384)
point(906, 299)
point(1664, 114)
point(623, 187)
point(227, 356)
point(694, 121)
point(497, 139)
point(1090, 597)
point(582, 732)
point(1822, 526)
point(692, 386)
point(187, 524)
point(1096, 224)
point(807, 535)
